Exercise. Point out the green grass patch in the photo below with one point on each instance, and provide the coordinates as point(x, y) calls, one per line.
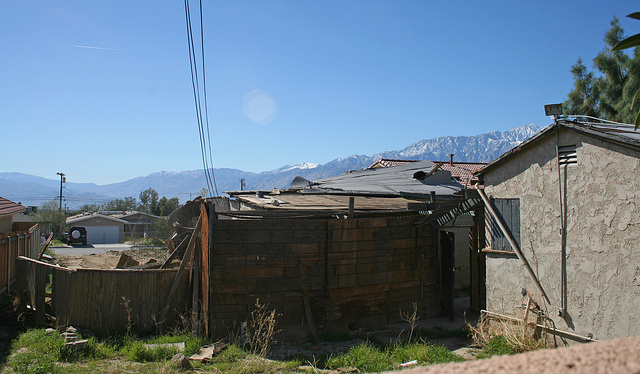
point(135, 350)
point(497, 346)
point(367, 358)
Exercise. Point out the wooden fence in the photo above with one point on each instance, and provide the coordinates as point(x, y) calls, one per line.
point(99, 299)
point(24, 240)
point(321, 273)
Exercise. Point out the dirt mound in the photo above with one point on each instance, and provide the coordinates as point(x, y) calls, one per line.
point(615, 356)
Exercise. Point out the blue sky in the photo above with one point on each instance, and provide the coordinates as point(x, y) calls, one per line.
point(101, 90)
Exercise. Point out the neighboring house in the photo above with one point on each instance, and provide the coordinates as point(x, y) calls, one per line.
point(18, 239)
point(101, 229)
point(138, 224)
point(569, 197)
point(8, 209)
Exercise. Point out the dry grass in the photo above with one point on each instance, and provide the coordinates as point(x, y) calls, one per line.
point(520, 336)
point(261, 329)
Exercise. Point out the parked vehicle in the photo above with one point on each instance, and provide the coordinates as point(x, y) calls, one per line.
point(77, 236)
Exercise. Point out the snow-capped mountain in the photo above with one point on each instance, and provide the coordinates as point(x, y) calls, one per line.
point(30, 190)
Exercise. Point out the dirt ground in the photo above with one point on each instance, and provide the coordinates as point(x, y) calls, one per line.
point(109, 260)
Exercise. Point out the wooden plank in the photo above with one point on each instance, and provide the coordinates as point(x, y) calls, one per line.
point(205, 264)
point(307, 303)
point(183, 264)
point(44, 247)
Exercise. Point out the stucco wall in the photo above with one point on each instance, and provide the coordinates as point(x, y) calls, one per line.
point(603, 235)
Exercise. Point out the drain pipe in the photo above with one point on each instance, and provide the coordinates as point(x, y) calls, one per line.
point(513, 243)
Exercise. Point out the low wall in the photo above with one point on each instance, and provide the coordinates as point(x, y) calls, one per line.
point(334, 274)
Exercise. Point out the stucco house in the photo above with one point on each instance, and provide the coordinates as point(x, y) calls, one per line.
point(139, 224)
point(568, 197)
point(101, 229)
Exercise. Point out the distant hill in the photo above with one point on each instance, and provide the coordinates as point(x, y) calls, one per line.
point(31, 190)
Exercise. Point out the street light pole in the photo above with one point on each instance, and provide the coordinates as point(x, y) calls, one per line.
point(62, 179)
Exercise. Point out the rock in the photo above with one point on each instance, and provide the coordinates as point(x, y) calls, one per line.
point(181, 362)
point(78, 345)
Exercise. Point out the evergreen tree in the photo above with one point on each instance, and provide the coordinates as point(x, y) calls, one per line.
point(608, 95)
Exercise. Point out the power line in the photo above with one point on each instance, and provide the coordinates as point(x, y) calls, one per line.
point(205, 137)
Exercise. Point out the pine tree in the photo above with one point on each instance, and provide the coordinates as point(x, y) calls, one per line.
point(609, 94)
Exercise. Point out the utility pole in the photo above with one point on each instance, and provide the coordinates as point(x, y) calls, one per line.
point(242, 184)
point(62, 180)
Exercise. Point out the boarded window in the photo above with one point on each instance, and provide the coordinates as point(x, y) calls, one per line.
point(509, 212)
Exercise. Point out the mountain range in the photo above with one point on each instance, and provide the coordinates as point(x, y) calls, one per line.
point(32, 191)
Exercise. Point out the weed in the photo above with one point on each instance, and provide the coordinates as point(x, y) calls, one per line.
point(497, 346)
point(127, 308)
point(363, 357)
point(36, 351)
point(425, 354)
point(261, 329)
point(412, 319)
point(135, 350)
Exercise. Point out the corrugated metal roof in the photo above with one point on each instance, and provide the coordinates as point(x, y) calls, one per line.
point(415, 180)
point(617, 133)
point(8, 207)
point(461, 171)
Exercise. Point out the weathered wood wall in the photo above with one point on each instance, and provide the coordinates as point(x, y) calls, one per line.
point(94, 298)
point(24, 240)
point(352, 273)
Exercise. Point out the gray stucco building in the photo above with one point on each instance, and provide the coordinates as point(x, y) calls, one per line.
point(570, 198)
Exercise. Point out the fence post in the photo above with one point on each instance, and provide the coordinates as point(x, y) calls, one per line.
point(9, 265)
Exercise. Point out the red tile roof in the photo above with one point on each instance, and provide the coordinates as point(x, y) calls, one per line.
point(461, 171)
point(8, 207)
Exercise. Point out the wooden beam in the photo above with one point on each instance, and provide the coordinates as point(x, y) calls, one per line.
point(513, 243)
point(173, 255)
point(44, 248)
point(307, 301)
point(176, 281)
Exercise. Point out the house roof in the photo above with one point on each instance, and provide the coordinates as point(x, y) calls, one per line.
point(412, 180)
point(460, 171)
point(616, 133)
point(86, 217)
point(129, 214)
point(8, 207)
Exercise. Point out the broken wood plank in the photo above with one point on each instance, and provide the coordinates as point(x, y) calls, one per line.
point(44, 248)
point(176, 281)
point(173, 255)
point(126, 261)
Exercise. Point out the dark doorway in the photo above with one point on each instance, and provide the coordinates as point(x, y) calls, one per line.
point(447, 245)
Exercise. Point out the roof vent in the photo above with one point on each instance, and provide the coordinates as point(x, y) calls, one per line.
point(567, 154)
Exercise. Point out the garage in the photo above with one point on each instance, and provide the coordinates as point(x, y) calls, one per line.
point(101, 229)
point(103, 234)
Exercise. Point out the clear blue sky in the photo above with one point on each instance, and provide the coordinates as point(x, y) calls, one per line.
point(101, 90)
